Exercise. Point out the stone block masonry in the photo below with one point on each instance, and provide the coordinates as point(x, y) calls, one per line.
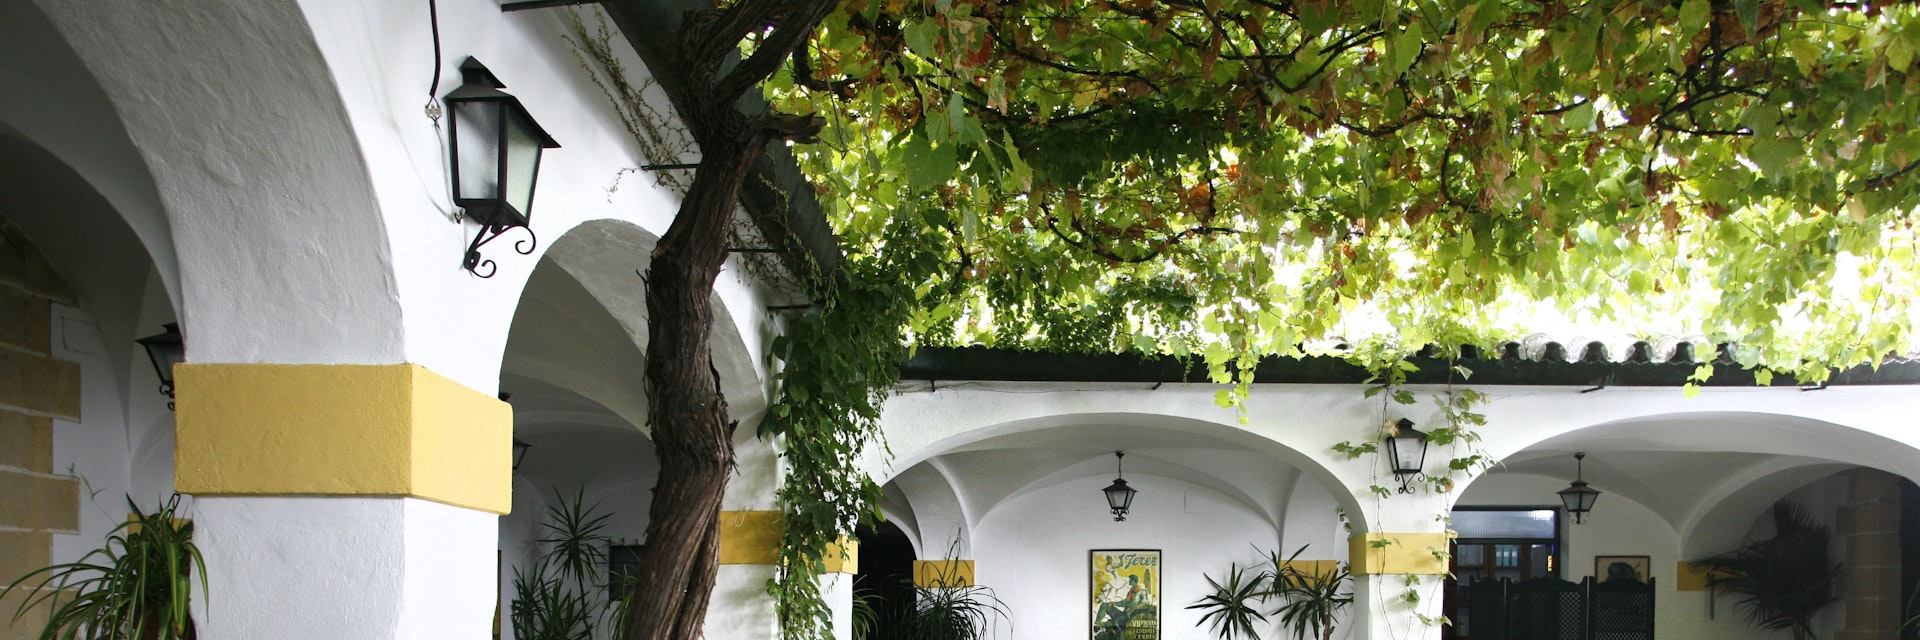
point(35, 389)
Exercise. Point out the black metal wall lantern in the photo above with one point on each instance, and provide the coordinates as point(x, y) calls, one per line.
point(1578, 497)
point(1119, 495)
point(1407, 452)
point(165, 350)
point(495, 145)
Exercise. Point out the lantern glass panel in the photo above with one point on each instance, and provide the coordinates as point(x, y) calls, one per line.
point(1408, 453)
point(477, 143)
point(1119, 495)
point(165, 350)
point(523, 163)
point(1579, 498)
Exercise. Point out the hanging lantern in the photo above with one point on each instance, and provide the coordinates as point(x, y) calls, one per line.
point(1578, 497)
point(1407, 453)
point(1119, 495)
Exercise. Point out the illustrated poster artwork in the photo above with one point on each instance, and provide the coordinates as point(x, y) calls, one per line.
point(1126, 594)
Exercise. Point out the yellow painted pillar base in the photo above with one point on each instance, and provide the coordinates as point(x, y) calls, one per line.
point(1400, 554)
point(943, 573)
point(342, 430)
point(753, 537)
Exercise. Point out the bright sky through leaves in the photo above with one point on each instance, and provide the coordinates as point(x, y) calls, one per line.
point(1237, 178)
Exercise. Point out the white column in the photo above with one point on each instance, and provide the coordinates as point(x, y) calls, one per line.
point(1399, 568)
point(331, 567)
point(740, 608)
point(342, 501)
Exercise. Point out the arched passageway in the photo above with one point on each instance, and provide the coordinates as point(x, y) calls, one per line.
point(1678, 487)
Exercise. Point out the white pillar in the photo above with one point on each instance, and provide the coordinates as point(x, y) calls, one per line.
point(740, 608)
point(343, 501)
point(328, 567)
point(1399, 568)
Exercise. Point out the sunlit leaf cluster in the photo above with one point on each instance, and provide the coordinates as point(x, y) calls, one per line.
point(1236, 178)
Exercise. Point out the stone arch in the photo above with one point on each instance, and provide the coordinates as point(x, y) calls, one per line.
point(1755, 432)
point(591, 274)
point(1709, 474)
point(1730, 511)
point(915, 450)
point(56, 104)
point(265, 195)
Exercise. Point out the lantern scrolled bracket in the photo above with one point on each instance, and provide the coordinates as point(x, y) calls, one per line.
point(474, 262)
point(1408, 481)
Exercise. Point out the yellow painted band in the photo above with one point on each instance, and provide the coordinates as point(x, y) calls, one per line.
point(1398, 554)
point(942, 573)
point(387, 430)
point(753, 537)
point(750, 537)
point(1690, 577)
point(1313, 567)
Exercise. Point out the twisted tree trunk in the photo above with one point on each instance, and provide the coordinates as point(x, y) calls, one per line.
point(692, 433)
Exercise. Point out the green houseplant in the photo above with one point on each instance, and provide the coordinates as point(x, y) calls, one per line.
point(1309, 600)
point(136, 586)
point(1784, 580)
point(561, 597)
point(949, 607)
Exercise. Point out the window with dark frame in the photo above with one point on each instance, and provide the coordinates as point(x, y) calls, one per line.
point(1517, 543)
point(623, 569)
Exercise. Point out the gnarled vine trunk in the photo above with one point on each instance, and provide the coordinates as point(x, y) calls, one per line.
point(687, 413)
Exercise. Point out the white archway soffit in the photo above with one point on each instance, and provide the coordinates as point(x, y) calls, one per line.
point(991, 472)
point(564, 337)
point(1749, 432)
point(248, 144)
point(987, 466)
point(582, 323)
point(54, 101)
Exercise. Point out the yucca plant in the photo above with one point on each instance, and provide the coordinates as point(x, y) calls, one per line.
point(1311, 600)
point(137, 586)
point(1784, 580)
point(1229, 611)
point(562, 597)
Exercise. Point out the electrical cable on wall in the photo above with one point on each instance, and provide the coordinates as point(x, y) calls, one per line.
point(433, 90)
point(434, 111)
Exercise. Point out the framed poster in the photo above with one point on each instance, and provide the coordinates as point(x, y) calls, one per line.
point(1610, 568)
point(1126, 594)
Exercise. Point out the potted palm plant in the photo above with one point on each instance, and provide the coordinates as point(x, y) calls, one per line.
point(1310, 600)
point(136, 586)
point(1784, 580)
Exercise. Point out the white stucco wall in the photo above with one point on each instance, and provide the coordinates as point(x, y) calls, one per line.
point(1313, 521)
point(360, 567)
point(1033, 551)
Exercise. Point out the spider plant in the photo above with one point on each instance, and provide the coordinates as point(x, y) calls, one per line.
point(561, 598)
point(949, 608)
point(1783, 580)
point(1228, 611)
point(136, 586)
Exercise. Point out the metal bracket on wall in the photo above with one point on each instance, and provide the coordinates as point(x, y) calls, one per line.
point(487, 233)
